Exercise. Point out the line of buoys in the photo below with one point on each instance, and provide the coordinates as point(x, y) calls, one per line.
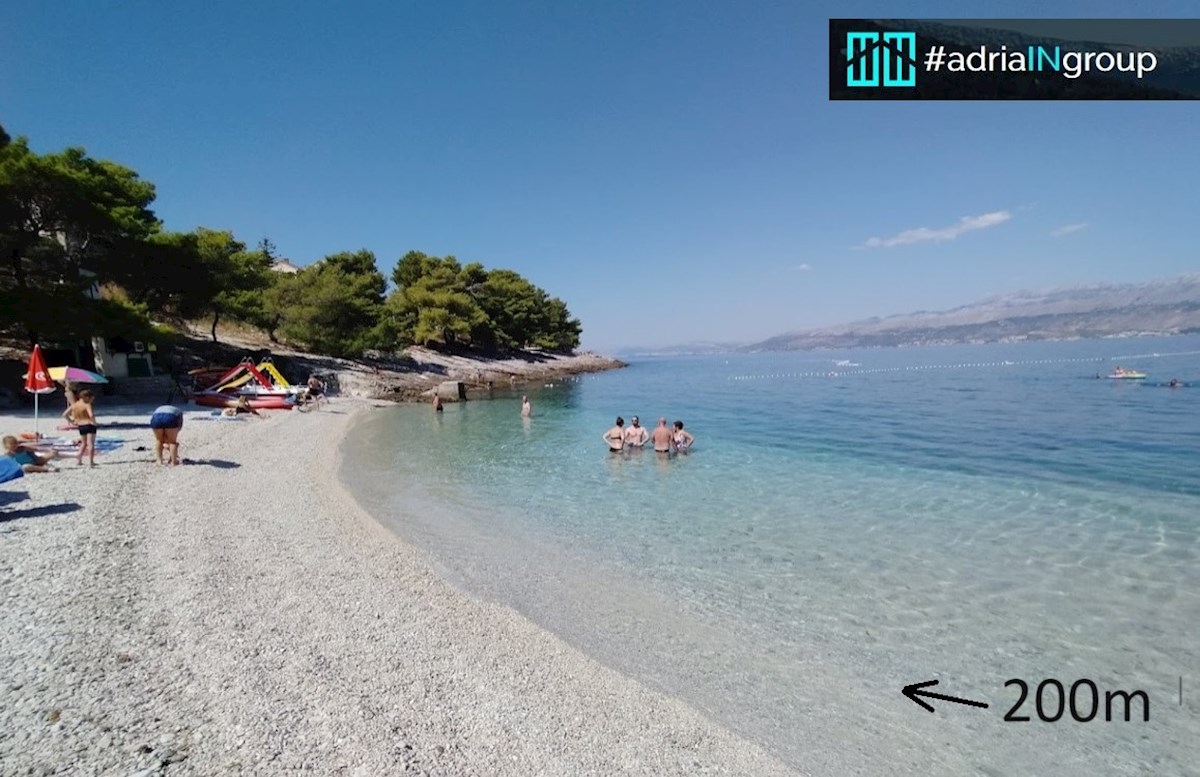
point(837, 373)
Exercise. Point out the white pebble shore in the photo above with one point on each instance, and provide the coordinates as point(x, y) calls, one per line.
point(242, 615)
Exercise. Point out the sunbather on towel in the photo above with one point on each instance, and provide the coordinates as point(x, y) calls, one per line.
point(30, 460)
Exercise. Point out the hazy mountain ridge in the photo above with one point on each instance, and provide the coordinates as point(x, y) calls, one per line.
point(698, 348)
point(1101, 310)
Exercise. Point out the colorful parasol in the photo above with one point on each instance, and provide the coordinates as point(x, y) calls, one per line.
point(76, 375)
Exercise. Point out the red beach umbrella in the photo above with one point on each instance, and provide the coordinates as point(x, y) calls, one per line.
point(37, 381)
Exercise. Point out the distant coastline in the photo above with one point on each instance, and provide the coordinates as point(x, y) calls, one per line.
point(886, 341)
point(1157, 309)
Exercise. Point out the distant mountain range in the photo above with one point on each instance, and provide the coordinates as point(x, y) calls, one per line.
point(1163, 307)
point(686, 349)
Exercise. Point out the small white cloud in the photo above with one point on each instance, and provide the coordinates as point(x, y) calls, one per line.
point(927, 235)
point(1067, 229)
point(804, 267)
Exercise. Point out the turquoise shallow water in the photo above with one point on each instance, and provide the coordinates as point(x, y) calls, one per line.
point(972, 514)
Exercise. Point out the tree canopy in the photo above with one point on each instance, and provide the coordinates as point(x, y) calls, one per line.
point(71, 225)
point(438, 301)
point(332, 306)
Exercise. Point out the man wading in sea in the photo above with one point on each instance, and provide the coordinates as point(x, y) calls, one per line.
point(664, 441)
point(636, 435)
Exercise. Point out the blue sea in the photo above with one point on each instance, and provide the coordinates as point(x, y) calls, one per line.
point(848, 523)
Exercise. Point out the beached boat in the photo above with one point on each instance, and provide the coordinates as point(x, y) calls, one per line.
point(261, 401)
point(261, 385)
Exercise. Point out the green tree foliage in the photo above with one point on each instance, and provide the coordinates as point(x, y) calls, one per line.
point(432, 304)
point(71, 224)
point(164, 271)
point(66, 221)
point(235, 278)
point(261, 313)
point(438, 302)
point(96, 210)
point(333, 306)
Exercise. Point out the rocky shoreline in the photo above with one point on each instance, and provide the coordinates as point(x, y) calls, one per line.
point(423, 370)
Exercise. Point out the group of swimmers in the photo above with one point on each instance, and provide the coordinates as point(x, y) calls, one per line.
point(665, 439)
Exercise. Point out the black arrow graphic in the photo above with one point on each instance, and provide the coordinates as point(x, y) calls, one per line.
point(915, 692)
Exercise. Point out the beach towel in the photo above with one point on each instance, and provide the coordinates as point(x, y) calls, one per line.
point(70, 445)
point(10, 469)
point(216, 415)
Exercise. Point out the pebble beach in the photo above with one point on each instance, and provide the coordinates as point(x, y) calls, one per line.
point(241, 614)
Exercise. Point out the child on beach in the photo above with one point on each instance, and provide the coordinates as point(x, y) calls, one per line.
point(84, 416)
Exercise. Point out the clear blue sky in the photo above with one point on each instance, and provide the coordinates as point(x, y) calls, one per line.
point(673, 170)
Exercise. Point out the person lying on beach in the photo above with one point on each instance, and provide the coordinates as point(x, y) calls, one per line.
point(664, 441)
point(85, 417)
point(683, 440)
point(242, 405)
point(30, 460)
point(636, 435)
point(166, 421)
point(615, 437)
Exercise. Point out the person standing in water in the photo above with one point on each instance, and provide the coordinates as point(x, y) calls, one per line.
point(615, 437)
point(683, 440)
point(85, 418)
point(664, 441)
point(636, 435)
point(526, 408)
point(437, 403)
